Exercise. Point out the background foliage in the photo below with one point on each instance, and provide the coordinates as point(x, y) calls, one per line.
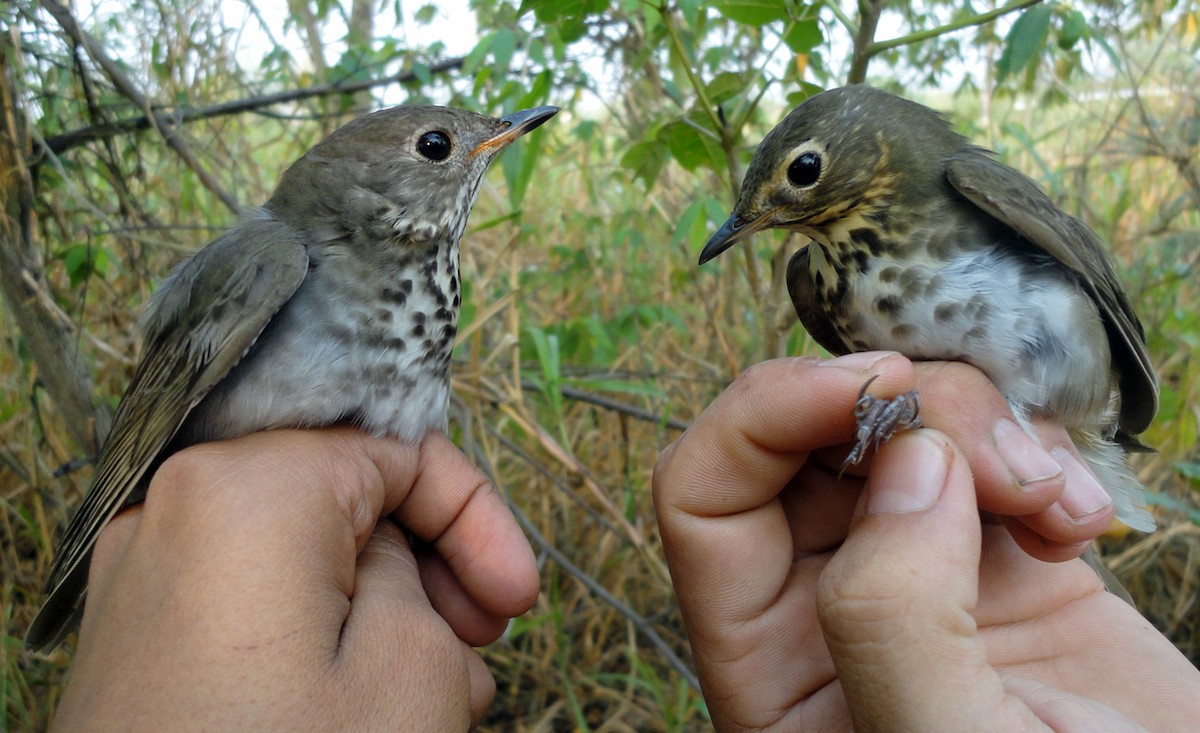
point(133, 132)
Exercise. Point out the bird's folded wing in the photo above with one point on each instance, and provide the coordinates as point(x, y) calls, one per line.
point(1014, 199)
point(199, 325)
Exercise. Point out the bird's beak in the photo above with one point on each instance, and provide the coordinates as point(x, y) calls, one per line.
point(515, 125)
point(734, 230)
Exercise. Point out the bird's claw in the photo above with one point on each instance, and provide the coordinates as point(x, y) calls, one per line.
point(877, 420)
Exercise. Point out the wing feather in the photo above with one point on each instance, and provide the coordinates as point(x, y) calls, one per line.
point(199, 325)
point(1014, 199)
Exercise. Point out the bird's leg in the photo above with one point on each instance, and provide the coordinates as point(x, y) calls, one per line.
point(877, 420)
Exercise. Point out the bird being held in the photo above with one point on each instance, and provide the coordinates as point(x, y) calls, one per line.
point(925, 244)
point(336, 302)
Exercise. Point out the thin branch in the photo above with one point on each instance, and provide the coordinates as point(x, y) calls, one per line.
point(46, 330)
point(623, 408)
point(850, 26)
point(559, 483)
point(868, 12)
point(668, 20)
point(879, 47)
point(641, 623)
point(126, 86)
point(67, 140)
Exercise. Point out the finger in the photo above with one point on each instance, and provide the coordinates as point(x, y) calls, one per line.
point(1038, 545)
point(1039, 479)
point(751, 440)
point(387, 592)
point(1083, 511)
point(1014, 474)
point(746, 600)
point(390, 624)
point(454, 507)
point(285, 511)
point(819, 505)
point(471, 621)
point(895, 601)
point(716, 488)
point(1064, 711)
point(483, 685)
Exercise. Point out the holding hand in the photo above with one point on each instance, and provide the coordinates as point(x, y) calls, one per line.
point(821, 604)
point(286, 603)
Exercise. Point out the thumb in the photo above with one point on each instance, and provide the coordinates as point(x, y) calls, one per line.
point(895, 601)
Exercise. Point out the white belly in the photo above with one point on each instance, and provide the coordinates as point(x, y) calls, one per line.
point(1033, 332)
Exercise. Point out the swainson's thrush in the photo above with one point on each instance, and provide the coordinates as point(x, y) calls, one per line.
point(924, 244)
point(335, 302)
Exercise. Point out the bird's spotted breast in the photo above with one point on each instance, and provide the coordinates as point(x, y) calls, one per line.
point(347, 348)
point(982, 306)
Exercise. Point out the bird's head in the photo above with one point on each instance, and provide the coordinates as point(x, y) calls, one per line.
point(837, 155)
point(412, 171)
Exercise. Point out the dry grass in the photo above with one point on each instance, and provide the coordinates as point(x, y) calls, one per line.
point(595, 261)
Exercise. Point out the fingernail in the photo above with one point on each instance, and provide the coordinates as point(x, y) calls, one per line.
point(1083, 494)
point(860, 361)
point(914, 477)
point(1025, 459)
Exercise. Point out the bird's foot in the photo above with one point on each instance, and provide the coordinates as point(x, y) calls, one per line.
point(877, 420)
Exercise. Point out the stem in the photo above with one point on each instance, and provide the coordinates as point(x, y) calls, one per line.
point(850, 26)
point(668, 20)
point(919, 36)
point(869, 11)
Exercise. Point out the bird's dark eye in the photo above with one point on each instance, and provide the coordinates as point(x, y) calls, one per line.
point(805, 169)
point(434, 145)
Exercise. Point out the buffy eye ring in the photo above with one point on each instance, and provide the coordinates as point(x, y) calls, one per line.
point(434, 145)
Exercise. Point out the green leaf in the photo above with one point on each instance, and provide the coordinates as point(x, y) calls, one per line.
point(422, 73)
point(752, 12)
point(691, 11)
point(724, 87)
point(806, 90)
point(83, 261)
point(686, 221)
point(1024, 40)
point(1073, 27)
point(504, 43)
point(645, 160)
point(567, 16)
point(537, 91)
point(425, 14)
point(519, 163)
point(804, 36)
point(691, 145)
point(474, 59)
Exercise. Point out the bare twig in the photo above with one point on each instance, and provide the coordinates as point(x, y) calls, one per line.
point(639, 622)
point(126, 86)
point(47, 331)
point(868, 20)
point(67, 140)
point(879, 47)
point(590, 398)
point(558, 481)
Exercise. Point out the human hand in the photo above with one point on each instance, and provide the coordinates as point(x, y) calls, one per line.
point(1040, 490)
point(813, 604)
point(258, 589)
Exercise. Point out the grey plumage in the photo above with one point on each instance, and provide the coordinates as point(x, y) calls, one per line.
point(337, 301)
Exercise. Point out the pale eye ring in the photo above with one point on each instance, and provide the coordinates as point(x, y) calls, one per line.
point(434, 145)
point(805, 170)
